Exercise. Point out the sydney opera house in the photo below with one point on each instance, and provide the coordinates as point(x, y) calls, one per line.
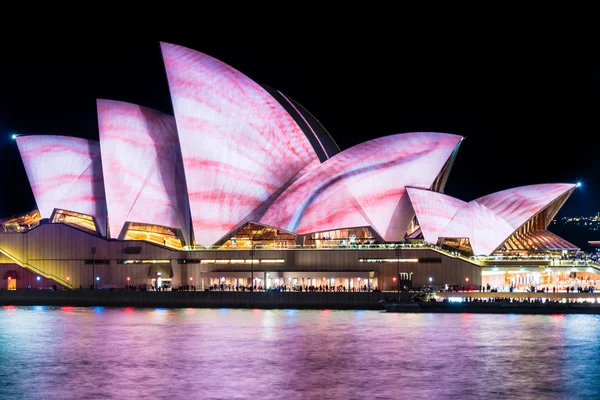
point(243, 184)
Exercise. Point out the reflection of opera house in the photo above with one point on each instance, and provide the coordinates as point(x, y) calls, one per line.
point(244, 182)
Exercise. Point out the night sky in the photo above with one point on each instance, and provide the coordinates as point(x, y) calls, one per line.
point(527, 111)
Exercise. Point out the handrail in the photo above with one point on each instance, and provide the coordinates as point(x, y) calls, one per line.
point(476, 260)
point(37, 270)
point(313, 247)
point(460, 256)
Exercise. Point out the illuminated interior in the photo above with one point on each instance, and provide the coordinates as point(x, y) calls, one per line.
point(153, 233)
point(524, 278)
point(462, 245)
point(414, 229)
point(260, 235)
point(340, 237)
point(75, 219)
point(20, 222)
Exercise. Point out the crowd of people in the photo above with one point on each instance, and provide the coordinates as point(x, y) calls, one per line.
point(293, 288)
point(471, 299)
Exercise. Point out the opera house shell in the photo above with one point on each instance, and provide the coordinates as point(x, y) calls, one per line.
point(240, 164)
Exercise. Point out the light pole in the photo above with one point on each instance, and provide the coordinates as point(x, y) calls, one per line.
point(398, 272)
point(252, 264)
point(93, 267)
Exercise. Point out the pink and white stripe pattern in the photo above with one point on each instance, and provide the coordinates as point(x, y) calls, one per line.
point(485, 229)
point(433, 210)
point(143, 171)
point(516, 206)
point(487, 221)
point(65, 173)
point(364, 186)
point(239, 145)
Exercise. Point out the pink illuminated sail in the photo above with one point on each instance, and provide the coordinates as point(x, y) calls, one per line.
point(142, 166)
point(318, 201)
point(485, 229)
point(239, 145)
point(65, 173)
point(364, 186)
point(489, 220)
point(434, 211)
point(380, 169)
point(517, 205)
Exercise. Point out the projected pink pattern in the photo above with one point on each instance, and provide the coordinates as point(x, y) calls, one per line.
point(517, 205)
point(485, 230)
point(239, 145)
point(434, 211)
point(364, 185)
point(381, 168)
point(318, 201)
point(143, 171)
point(488, 221)
point(65, 173)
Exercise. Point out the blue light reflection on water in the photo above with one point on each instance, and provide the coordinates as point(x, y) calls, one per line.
point(61, 353)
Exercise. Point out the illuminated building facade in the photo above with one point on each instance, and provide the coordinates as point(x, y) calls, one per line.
point(243, 180)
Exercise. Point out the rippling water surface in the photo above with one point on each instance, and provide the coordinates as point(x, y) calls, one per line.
point(75, 353)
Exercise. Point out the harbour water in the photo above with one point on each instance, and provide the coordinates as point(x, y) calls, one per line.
point(78, 353)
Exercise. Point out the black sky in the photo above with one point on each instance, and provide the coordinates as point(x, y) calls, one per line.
point(528, 110)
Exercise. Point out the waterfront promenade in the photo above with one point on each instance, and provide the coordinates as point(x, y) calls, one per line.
point(591, 297)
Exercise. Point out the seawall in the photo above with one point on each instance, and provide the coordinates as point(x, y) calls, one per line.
point(184, 299)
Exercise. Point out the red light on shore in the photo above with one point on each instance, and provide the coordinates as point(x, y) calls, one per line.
point(128, 279)
point(394, 279)
point(68, 278)
point(9, 278)
point(191, 279)
point(467, 279)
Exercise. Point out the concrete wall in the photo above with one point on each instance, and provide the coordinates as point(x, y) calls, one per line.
point(24, 277)
point(194, 299)
point(61, 250)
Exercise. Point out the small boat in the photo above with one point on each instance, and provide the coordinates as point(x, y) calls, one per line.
point(400, 306)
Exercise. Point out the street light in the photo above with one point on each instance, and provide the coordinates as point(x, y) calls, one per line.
point(398, 272)
point(93, 266)
point(252, 250)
